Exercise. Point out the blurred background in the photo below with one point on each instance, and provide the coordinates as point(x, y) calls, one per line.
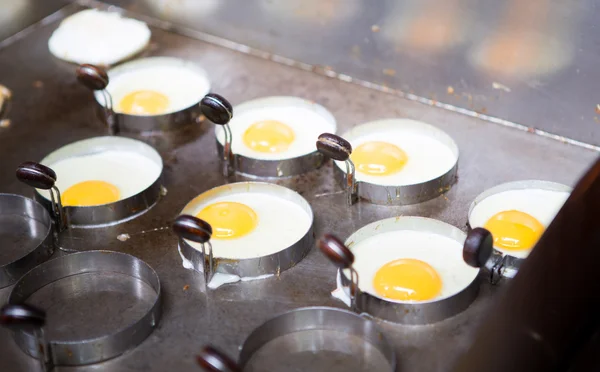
point(532, 63)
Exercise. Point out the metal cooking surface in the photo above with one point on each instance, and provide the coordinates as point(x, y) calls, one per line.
point(50, 110)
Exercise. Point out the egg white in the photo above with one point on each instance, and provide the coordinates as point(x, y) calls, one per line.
point(429, 156)
point(97, 37)
point(130, 172)
point(443, 253)
point(183, 83)
point(272, 232)
point(307, 119)
point(541, 204)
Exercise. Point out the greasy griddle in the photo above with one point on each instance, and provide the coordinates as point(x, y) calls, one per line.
point(50, 109)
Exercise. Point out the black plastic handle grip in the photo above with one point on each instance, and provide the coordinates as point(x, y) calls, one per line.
point(216, 108)
point(36, 175)
point(212, 360)
point(192, 228)
point(22, 317)
point(92, 77)
point(478, 247)
point(334, 147)
point(336, 251)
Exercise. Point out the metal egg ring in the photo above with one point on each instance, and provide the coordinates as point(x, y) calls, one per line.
point(249, 166)
point(111, 213)
point(152, 123)
point(27, 237)
point(256, 267)
point(409, 312)
point(397, 194)
point(504, 264)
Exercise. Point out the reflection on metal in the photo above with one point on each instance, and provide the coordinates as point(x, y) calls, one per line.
point(419, 49)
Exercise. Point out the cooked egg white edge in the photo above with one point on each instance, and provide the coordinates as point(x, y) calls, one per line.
point(281, 223)
point(306, 124)
point(541, 204)
point(97, 37)
point(220, 279)
point(130, 172)
point(442, 253)
point(428, 158)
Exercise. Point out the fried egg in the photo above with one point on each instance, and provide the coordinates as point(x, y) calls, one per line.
point(99, 38)
point(518, 217)
point(249, 224)
point(155, 86)
point(102, 177)
point(397, 152)
point(410, 265)
point(276, 128)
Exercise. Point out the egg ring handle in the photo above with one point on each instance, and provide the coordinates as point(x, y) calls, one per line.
point(212, 360)
point(478, 247)
point(42, 177)
point(337, 148)
point(218, 110)
point(5, 99)
point(199, 231)
point(341, 256)
point(95, 78)
point(27, 318)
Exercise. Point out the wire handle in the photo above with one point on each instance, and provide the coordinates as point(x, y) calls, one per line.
point(199, 231)
point(343, 258)
point(337, 148)
point(25, 318)
point(42, 177)
point(212, 360)
point(218, 110)
point(95, 78)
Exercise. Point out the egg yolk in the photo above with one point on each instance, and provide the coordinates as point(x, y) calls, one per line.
point(229, 220)
point(407, 279)
point(144, 102)
point(514, 230)
point(88, 193)
point(378, 158)
point(269, 136)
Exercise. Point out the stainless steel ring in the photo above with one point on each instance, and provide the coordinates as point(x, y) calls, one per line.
point(153, 123)
point(509, 265)
point(112, 213)
point(400, 194)
point(100, 348)
point(21, 251)
point(252, 167)
point(317, 318)
point(253, 267)
point(404, 312)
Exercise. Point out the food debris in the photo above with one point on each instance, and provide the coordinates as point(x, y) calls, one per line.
point(503, 87)
point(123, 237)
point(38, 84)
point(389, 72)
point(163, 191)
point(450, 90)
point(186, 287)
point(598, 109)
point(375, 28)
point(5, 123)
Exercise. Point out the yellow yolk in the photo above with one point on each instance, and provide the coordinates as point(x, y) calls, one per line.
point(514, 230)
point(269, 136)
point(378, 158)
point(88, 193)
point(407, 279)
point(144, 102)
point(229, 220)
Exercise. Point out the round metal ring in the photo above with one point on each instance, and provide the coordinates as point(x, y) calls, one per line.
point(101, 348)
